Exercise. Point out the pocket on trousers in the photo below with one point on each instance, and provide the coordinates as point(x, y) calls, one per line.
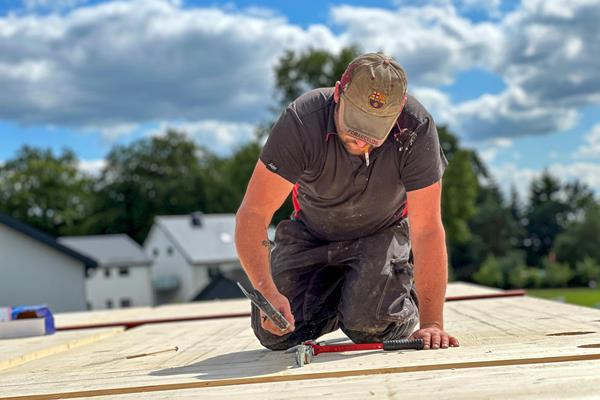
point(396, 303)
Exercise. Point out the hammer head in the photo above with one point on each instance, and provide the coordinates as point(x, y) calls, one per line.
point(304, 355)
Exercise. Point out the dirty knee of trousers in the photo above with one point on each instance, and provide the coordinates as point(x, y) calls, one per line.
point(377, 334)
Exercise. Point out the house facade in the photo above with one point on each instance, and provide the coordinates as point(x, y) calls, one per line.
point(36, 269)
point(190, 251)
point(123, 277)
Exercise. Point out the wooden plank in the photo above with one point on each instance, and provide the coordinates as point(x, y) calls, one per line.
point(19, 351)
point(509, 331)
point(569, 380)
point(171, 311)
point(204, 309)
point(467, 289)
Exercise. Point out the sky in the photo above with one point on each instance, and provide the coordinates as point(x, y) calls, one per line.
point(516, 81)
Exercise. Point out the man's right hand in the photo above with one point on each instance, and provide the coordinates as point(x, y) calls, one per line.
point(281, 303)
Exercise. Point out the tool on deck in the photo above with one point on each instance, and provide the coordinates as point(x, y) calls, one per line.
point(267, 308)
point(307, 350)
point(262, 303)
point(153, 353)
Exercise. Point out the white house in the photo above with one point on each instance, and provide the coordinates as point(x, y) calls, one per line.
point(190, 251)
point(123, 276)
point(37, 269)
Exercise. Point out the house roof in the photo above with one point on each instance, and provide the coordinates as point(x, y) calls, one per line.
point(108, 250)
point(212, 241)
point(45, 239)
point(224, 286)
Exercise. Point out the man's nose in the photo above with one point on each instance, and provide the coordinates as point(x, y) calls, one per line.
point(360, 143)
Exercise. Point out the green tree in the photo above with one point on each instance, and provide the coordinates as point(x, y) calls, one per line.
point(490, 273)
point(557, 274)
point(494, 223)
point(152, 176)
point(45, 191)
point(587, 272)
point(297, 73)
point(461, 190)
point(581, 237)
point(551, 208)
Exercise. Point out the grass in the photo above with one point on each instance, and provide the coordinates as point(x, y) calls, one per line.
point(581, 296)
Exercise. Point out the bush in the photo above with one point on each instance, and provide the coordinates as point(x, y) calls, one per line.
point(557, 274)
point(587, 272)
point(490, 273)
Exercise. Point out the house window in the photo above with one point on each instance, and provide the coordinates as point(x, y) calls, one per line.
point(123, 271)
point(109, 303)
point(107, 272)
point(170, 250)
point(155, 252)
point(125, 302)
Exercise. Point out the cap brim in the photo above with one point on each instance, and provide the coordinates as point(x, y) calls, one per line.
point(369, 128)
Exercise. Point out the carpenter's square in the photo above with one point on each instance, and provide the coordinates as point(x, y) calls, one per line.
point(267, 308)
point(306, 351)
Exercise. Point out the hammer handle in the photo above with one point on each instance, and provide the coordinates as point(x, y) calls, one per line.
point(403, 344)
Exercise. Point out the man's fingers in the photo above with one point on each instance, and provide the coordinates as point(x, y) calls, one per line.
point(454, 342)
point(435, 341)
point(426, 340)
point(269, 326)
point(445, 341)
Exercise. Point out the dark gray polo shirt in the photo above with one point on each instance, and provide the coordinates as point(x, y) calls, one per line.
point(336, 195)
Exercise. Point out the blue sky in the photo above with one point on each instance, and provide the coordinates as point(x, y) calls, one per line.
point(515, 80)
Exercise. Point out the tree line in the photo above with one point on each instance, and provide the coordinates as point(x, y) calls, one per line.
point(548, 240)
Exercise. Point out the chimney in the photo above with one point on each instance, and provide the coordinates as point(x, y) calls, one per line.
point(197, 219)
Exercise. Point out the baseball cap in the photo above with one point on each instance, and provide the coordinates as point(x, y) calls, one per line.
point(372, 89)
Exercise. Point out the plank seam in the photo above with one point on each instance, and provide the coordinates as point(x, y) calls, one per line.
point(300, 377)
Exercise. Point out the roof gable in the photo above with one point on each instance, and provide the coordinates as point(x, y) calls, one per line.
point(45, 239)
point(108, 250)
point(210, 242)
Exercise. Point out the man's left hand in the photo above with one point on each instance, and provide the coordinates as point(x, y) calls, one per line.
point(434, 338)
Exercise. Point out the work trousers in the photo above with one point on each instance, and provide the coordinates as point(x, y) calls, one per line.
point(364, 286)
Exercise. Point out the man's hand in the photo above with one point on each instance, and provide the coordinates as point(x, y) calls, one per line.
point(434, 338)
point(281, 304)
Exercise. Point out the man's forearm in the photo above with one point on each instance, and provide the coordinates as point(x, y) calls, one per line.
point(431, 276)
point(250, 233)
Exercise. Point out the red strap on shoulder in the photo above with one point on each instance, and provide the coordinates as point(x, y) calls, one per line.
point(295, 200)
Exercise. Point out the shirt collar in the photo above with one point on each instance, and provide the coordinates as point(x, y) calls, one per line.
point(331, 128)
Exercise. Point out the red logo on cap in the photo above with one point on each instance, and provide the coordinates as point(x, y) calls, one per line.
point(377, 99)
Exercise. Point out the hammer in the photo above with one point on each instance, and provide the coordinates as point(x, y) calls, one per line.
point(307, 350)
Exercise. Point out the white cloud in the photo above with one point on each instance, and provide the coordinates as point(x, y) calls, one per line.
point(432, 42)
point(508, 175)
point(93, 167)
point(124, 62)
point(541, 50)
point(118, 64)
point(510, 114)
point(51, 5)
point(437, 103)
point(587, 172)
point(591, 147)
point(219, 136)
point(491, 7)
point(549, 53)
point(112, 132)
point(489, 150)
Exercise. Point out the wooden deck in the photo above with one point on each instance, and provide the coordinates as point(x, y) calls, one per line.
point(514, 347)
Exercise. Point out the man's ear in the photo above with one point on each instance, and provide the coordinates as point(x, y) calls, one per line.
point(336, 92)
